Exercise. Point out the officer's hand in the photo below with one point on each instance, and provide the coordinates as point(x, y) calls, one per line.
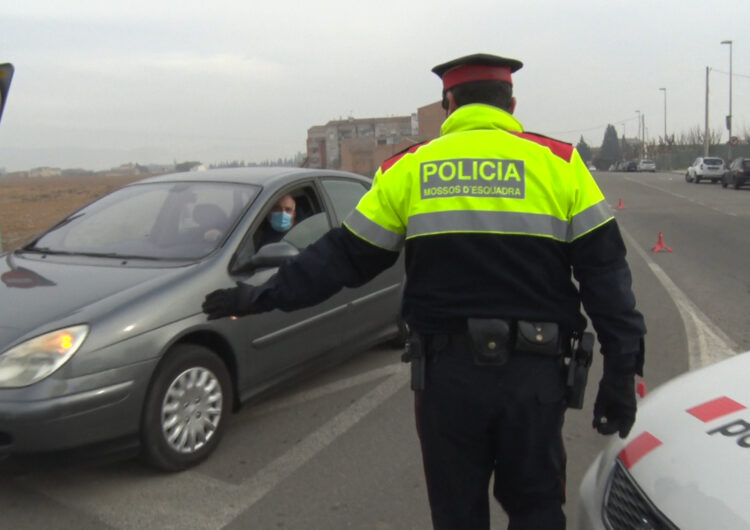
point(614, 408)
point(236, 301)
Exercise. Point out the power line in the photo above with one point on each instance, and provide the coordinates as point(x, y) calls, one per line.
point(734, 74)
point(618, 122)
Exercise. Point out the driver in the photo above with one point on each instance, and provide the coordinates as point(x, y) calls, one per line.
point(278, 221)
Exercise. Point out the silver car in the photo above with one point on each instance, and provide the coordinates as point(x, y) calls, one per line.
point(101, 331)
point(646, 165)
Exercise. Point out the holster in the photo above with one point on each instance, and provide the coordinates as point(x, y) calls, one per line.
point(415, 354)
point(579, 362)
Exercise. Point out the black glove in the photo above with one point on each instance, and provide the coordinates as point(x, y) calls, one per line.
point(236, 301)
point(615, 405)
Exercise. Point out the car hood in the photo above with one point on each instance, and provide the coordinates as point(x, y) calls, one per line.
point(37, 294)
point(689, 448)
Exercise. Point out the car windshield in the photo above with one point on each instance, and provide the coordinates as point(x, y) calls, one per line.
point(647, 161)
point(174, 220)
point(712, 161)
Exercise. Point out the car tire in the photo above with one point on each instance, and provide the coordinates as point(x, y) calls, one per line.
point(697, 179)
point(687, 177)
point(186, 409)
point(724, 182)
point(736, 183)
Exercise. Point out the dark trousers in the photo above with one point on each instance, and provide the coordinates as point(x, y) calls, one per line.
point(476, 420)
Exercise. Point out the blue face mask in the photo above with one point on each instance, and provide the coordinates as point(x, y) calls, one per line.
point(281, 221)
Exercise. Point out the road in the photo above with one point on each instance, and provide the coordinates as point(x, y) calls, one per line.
point(340, 451)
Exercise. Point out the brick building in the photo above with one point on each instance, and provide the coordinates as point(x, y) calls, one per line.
point(361, 145)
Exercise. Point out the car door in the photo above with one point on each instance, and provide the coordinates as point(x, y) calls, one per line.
point(280, 343)
point(374, 307)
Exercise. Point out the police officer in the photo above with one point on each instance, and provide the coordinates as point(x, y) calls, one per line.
point(495, 223)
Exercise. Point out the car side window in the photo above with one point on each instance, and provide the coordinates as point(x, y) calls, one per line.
point(309, 220)
point(308, 231)
point(344, 194)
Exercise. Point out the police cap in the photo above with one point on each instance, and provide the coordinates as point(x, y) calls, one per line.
point(477, 67)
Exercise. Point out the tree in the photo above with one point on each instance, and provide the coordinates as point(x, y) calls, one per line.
point(584, 150)
point(610, 150)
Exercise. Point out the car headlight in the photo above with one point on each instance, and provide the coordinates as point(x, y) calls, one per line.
point(39, 357)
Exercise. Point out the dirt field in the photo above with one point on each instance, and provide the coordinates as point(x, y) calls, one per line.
point(30, 205)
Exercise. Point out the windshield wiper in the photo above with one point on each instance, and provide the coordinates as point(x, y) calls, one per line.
point(114, 255)
point(43, 250)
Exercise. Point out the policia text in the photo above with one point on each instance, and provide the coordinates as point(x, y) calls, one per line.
point(473, 177)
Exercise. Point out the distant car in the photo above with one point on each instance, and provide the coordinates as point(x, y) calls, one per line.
point(624, 165)
point(737, 174)
point(712, 168)
point(591, 166)
point(102, 336)
point(684, 464)
point(646, 165)
point(631, 165)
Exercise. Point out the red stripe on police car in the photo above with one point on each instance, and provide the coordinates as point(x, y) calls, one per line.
point(638, 447)
point(716, 408)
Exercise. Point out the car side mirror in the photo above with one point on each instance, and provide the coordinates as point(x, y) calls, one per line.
point(270, 255)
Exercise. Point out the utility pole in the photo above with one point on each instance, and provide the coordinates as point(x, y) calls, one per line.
point(705, 134)
point(640, 146)
point(729, 118)
point(665, 113)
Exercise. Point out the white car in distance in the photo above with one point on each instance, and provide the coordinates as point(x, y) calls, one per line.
point(705, 168)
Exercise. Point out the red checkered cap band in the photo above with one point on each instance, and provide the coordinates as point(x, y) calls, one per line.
point(475, 72)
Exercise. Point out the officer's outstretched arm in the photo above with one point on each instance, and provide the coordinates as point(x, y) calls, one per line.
point(338, 259)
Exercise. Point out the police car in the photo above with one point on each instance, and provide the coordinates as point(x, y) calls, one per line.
point(686, 462)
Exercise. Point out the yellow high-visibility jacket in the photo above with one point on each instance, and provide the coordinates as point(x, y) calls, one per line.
point(494, 222)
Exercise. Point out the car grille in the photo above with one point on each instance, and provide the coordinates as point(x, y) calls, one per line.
point(626, 507)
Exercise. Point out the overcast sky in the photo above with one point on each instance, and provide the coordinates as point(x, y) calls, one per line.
point(99, 83)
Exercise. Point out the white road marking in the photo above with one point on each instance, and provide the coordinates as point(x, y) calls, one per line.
point(194, 500)
point(270, 476)
point(707, 343)
point(343, 384)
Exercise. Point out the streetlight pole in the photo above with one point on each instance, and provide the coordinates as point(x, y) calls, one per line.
point(729, 118)
point(640, 135)
point(705, 133)
point(666, 144)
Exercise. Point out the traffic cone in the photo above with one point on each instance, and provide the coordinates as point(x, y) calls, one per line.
point(620, 205)
point(660, 244)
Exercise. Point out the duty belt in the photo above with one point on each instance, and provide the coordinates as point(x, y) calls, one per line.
point(492, 341)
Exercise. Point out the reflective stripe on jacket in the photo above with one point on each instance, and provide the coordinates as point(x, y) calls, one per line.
point(483, 175)
point(494, 221)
